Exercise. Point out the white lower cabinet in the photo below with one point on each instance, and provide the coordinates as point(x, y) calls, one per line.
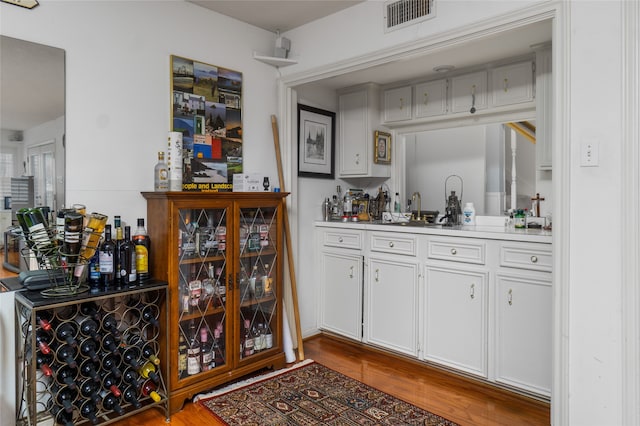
point(391, 308)
point(455, 310)
point(523, 331)
point(341, 292)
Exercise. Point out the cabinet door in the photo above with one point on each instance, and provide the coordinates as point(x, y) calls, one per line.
point(512, 84)
point(256, 309)
point(469, 92)
point(544, 108)
point(430, 99)
point(354, 133)
point(397, 104)
point(391, 306)
point(200, 300)
point(456, 318)
point(341, 292)
point(523, 338)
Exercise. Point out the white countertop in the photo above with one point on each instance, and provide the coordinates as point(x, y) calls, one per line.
point(474, 231)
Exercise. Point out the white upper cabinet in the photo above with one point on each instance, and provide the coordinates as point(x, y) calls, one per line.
point(430, 99)
point(469, 92)
point(512, 84)
point(397, 104)
point(544, 108)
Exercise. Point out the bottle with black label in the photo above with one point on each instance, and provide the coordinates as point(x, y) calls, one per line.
point(141, 243)
point(127, 256)
point(106, 259)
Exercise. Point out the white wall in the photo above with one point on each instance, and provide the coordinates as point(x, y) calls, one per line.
point(118, 81)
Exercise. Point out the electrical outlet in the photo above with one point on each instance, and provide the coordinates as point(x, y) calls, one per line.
point(589, 156)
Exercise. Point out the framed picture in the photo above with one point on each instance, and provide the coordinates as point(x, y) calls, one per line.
point(316, 142)
point(382, 145)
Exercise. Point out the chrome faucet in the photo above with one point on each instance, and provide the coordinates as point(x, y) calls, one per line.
point(414, 196)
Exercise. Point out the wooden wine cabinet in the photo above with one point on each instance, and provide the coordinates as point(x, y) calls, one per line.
point(38, 393)
point(230, 243)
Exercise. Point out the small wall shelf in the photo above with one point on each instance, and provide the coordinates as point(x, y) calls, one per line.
point(274, 61)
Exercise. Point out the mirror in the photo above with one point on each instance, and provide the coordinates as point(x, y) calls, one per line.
point(483, 157)
point(32, 120)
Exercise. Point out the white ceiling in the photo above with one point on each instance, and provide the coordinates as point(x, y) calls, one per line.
point(276, 15)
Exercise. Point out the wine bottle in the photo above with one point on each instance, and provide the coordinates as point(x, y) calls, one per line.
point(61, 416)
point(66, 354)
point(94, 272)
point(148, 388)
point(88, 410)
point(148, 371)
point(43, 318)
point(91, 310)
point(131, 377)
point(89, 328)
point(109, 343)
point(90, 389)
point(141, 244)
point(90, 239)
point(38, 234)
point(131, 356)
point(126, 255)
point(64, 396)
point(106, 256)
point(110, 364)
point(117, 262)
point(161, 174)
point(182, 356)
point(206, 353)
point(73, 223)
point(67, 332)
point(43, 362)
point(130, 395)
point(89, 369)
point(193, 351)
point(218, 356)
point(111, 402)
point(110, 324)
point(66, 376)
point(89, 349)
point(149, 353)
point(43, 339)
point(150, 315)
point(111, 383)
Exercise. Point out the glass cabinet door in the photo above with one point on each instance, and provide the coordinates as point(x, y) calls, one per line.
point(257, 269)
point(202, 279)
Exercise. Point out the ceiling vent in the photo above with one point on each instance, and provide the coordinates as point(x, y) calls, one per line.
point(402, 13)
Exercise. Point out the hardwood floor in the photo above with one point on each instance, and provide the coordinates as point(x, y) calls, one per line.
point(461, 400)
point(458, 399)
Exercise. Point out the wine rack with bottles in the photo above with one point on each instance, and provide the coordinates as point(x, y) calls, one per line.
point(221, 254)
point(90, 359)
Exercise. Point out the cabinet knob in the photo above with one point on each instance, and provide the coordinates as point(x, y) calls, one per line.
point(454, 251)
point(534, 259)
point(340, 240)
point(391, 244)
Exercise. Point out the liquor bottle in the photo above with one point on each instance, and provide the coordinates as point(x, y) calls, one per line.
point(90, 309)
point(161, 174)
point(89, 349)
point(43, 339)
point(268, 337)
point(90, 389)
point(90, 239)
point(66, 376)
point(247, 340)
point(111, 402)
point(208, 295)
point(258, 339)
point(148, 371)
point(397, 205)
point(182, 356)
point(206, 351)
point(131, 377)
point(72, 231)
point(89, 369)
point(127, 258)
point(208, 242)
point(67, 332)
point(110, 363)
point(106, 258)
point(193, 351)
point(66, 354)
point(130, 395)
point(117, 224)
point(64, 396)
point(218, 357)
point(221, 285)
point(88, 410)
point(141, 244)
point(131, 356)
point(253, 242)
point(111, 383)
point(148, 388)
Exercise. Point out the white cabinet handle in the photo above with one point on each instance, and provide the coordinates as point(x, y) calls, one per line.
point(510, 297)
point(454, 251)
point(401, 103)
point(377, 275)
point(534, 259)
point(426, 97)
point(357, 158)
point(391, 244)
point(473, 291)
point(340, 239)
point(351, 272)
point(506, 84)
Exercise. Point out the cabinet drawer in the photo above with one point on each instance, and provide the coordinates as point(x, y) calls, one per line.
point(342, 238)
point(394, 244)
point(458, 250)
point(526, 256)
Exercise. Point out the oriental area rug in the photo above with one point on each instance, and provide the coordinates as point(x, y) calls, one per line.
point(311, 394)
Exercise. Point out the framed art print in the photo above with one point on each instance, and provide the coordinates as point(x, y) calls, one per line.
point(382, 148)
point(316, 142)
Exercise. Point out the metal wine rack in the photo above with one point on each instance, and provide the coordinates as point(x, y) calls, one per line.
point(131, 317)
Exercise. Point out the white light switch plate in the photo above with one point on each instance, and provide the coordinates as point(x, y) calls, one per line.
point(589, 155)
